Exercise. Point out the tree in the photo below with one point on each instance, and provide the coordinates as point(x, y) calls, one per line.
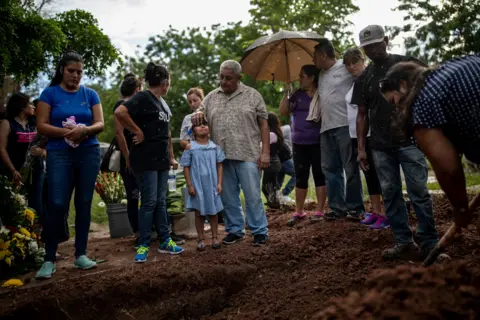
point(31, 43)
point(83, 35)
point(193, 56)
point(323, 17)
point(441, 31)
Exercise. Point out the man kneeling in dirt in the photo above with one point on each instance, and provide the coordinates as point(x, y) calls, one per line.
point(238, 122)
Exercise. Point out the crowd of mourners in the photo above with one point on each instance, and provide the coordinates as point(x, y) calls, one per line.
point(346, 117)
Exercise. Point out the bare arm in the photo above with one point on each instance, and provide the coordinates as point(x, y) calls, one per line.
point(170, 145)
point(220, 173)
point(363, 124)
point(446, 163)
point(188, 178)
point(184, 143)
point(97, 123)
point(265, 136)
point(4, 132)
point(120, 137)
point(126, 120)
point(285, 106)
point(43, 122)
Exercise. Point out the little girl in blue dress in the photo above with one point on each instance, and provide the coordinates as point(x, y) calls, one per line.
point(202, 163)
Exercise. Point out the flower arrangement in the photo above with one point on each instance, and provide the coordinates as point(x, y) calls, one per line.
point(109, 187)
point(18, 229)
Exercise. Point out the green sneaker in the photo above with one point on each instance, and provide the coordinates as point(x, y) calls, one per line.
point(46, 271)
point(170, 247)
point(84, 263)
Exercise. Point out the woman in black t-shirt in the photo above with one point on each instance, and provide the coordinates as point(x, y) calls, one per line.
point(17, 132)
point(147, 116)
point(131, 85)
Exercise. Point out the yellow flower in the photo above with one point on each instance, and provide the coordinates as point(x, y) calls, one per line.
point(30, 215)
point(34, 235)
point(25, 232)
point(2, 255)
point(8, 261)
point(4, 245)
point(13, 283)
point(18, 236)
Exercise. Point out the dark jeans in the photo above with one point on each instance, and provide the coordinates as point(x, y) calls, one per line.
point(68, 169)
point(414, 166)
point(336, 148)
point(153, 205)
point(270, 183)
point(34, 188)
point(288, 168)
point(132, 191)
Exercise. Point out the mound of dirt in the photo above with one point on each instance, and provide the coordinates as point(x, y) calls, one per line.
point(440, 292)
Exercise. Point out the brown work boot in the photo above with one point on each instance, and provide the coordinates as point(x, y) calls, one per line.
point(409, 250)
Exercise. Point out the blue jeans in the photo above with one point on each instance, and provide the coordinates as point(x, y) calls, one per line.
point(244, 175)
point(69, 169)
point(287, 169)
point(153, 205)
point(415, 169)
point(337, 157)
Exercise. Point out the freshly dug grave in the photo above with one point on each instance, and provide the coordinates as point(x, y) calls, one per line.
point(440, 292)
point(295, 276)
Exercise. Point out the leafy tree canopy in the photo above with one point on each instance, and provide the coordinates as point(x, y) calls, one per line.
point(441, 30)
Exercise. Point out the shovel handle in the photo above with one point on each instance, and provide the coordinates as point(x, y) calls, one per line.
point(450, 235)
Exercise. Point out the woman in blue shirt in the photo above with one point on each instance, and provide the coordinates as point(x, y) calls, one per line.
point(72, 165)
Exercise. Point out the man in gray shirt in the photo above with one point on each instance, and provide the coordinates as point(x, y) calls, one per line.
point(333, 84)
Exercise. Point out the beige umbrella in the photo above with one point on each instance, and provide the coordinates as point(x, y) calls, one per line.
point(280, 56)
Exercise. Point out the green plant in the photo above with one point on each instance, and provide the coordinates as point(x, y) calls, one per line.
point(175, 198)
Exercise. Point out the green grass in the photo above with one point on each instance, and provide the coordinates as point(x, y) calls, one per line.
point(99, 214)
point(472, 179)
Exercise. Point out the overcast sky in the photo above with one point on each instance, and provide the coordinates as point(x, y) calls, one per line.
point(131, 22)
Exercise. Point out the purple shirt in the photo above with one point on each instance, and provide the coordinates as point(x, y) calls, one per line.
point(303, 131)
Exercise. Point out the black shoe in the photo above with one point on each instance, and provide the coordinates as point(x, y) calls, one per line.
point(353, 215)
point(232, 238)
point(333, 216)
point(259, 240)
point(177, 239)
point(408, 250)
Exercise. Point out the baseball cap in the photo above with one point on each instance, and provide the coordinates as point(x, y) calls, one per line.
point(371, 34)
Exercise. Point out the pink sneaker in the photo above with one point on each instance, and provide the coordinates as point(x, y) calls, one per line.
point(317, 216)
point(370, 218)
point(296, 218)
point(381, 223)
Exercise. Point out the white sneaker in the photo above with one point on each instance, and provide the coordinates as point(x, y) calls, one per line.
point(287, 200)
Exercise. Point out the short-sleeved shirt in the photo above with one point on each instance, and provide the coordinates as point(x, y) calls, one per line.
point(333, 85)
point(287, 136)
point(366, 92)
point(450, 100)
point(186, 132)
point(303, 131)
point(234, 121)
point(64, 104)
point(152, 116)
point(352, 112)
point(127, 134)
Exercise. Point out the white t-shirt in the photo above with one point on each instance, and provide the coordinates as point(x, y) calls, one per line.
point(352, 111)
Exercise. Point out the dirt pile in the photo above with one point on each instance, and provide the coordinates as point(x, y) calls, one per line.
point(440, 292)
point(295, 276)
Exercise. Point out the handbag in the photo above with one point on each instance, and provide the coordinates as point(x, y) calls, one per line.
point(111, 159)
